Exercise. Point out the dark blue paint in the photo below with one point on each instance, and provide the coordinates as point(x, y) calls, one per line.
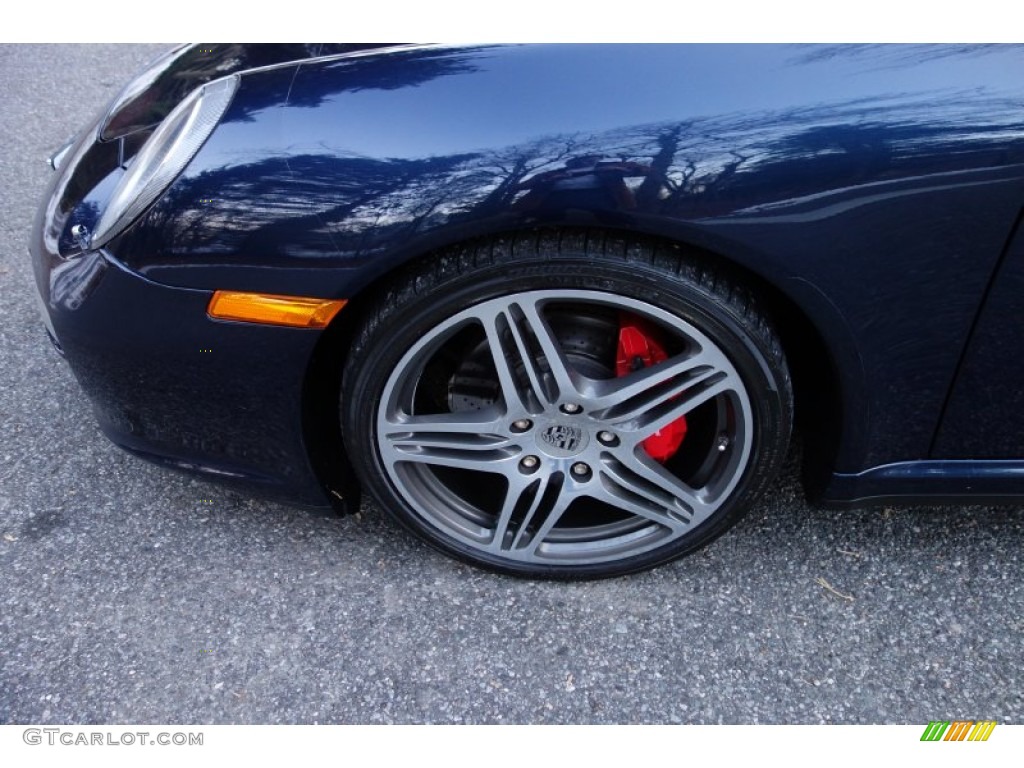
point(873, 186)
point(985, 416)
point(135, 348)
point(947, 481)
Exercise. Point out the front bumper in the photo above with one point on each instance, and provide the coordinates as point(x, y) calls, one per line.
point(174, 386)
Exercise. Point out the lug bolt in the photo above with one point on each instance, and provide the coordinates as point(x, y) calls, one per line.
point(607, 437)
point(529, 463)
point(580, 469)
point(571, 408)
point(722, 444)
point(521, 425)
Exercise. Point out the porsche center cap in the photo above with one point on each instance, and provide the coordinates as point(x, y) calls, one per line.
point(561, 440)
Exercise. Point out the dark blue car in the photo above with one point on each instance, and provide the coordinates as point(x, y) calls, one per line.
point(560, 310)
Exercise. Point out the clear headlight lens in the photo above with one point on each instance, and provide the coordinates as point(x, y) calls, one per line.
point(133, 109)
point(173, 144)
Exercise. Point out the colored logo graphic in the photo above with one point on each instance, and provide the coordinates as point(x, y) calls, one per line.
point(958, 730)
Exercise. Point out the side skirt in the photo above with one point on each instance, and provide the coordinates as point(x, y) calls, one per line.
point(929, 482)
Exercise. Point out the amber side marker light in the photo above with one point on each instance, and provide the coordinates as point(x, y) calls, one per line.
point(294, 311)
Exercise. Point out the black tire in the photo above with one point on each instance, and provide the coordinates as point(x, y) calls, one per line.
point(541, 466)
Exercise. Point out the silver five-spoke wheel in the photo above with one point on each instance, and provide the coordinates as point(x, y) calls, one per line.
point(585, 418)
point(541, 459)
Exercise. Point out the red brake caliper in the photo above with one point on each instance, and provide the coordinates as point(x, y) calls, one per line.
point(639, 348)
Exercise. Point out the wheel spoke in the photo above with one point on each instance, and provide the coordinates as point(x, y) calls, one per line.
point(449, 439)
point(652, 398)
point(533, 323)
point(660, 416)
point(531, 366)
point(526, 503)
point(532, 507)
point(554, 501)
point(643, 487)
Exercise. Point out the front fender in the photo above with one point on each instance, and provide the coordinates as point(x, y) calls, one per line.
point(874, 186)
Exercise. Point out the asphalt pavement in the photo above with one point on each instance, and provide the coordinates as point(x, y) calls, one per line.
point(130, 593)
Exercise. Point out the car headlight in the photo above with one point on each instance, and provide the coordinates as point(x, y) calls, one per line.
point(164, 155)
point(134, 108)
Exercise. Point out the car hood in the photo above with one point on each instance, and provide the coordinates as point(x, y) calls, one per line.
point(150, 97)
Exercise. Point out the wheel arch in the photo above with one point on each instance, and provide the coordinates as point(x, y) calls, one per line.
point(814, 365)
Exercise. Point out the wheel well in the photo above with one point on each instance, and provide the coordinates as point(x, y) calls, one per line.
point(321, 425)
point(817, 395)
point(816, 383)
